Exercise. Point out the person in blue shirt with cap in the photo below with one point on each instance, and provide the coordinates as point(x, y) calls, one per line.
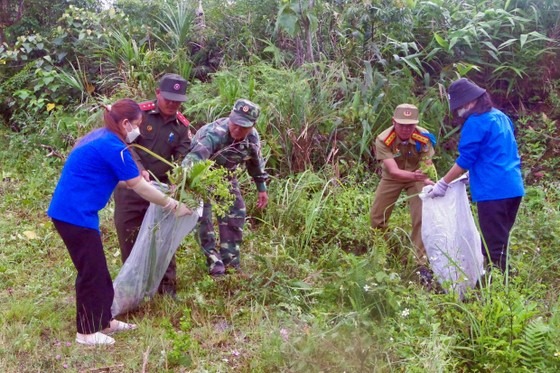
point(488, 151)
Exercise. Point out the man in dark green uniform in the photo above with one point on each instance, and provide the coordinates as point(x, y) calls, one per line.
point(166, 132)
point(401, 148)
point(229, 142)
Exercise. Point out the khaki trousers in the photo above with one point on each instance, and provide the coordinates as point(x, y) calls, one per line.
point(386, 195)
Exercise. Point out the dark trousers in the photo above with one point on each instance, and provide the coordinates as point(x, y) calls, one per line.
point(496, 218)
point(94, 287)
point(130, 209)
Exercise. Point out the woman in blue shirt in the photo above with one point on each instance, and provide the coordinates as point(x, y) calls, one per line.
point(488, 150)
point(95, 166)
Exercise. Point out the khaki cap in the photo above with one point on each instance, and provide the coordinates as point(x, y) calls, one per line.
point(406, 114)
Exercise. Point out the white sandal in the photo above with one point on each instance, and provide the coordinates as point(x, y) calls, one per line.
point(94, 339)
point(118, 326)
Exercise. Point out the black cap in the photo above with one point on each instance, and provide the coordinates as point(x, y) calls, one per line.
point(173, 87)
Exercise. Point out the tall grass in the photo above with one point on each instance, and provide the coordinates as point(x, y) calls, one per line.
point(309, 303)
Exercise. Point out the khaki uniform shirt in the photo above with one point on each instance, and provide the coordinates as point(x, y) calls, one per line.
point(407, 154)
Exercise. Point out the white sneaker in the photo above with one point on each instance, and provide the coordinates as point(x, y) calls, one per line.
point(94, 339)
point(118, 326)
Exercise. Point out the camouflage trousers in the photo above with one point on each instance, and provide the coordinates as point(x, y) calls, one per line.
point(230, 228)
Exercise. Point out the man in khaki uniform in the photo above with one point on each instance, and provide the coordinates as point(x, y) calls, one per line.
point(401, 148)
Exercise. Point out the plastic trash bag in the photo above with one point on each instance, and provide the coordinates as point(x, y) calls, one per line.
point(159, 237)
point(451, 239)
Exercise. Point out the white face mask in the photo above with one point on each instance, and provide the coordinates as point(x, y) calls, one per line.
point(132, 135)
point(461, 112)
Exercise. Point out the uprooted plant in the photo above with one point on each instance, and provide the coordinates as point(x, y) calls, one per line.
point(201, 181)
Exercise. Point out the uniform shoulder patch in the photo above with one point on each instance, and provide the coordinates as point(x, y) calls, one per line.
point(183, 119)
point(148, 105)
point(420, 138)
point(390, 138)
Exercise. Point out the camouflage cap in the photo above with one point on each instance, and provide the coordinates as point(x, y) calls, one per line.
point(173, 87)
point(244, 113)
point(406, 114)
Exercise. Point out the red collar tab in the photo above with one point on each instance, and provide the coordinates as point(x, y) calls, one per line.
point(391, 138)
point(183, 119)
point(147, 106)
point(420, 138)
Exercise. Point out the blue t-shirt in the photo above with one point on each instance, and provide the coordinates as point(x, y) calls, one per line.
point(488, 149)
point(90, 174)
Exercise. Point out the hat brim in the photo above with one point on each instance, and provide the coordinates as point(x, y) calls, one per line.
point(462, 101)
point(463, 92)
point(240, 119)
point(173, 96)
point(406, 121)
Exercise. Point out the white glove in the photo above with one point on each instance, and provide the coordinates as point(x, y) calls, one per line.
point(464, 178)
point(439, 189)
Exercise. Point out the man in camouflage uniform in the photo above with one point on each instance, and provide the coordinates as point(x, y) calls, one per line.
point(166, 132)
point(401, 148)
point(229, 141)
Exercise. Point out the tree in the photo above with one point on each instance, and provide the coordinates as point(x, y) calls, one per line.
point(297, 18)
point(35, 16)
point(10, 13)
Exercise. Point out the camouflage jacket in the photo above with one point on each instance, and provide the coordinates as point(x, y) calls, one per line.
point(213, 141)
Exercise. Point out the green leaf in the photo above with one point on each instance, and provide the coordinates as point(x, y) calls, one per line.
point(288, 21)
point(441, 41)
point(490, 45)
point(412, 65)
point(453, 41)
point(313, 22)
point(22, 94)
point(507, 43)
point(494, 55)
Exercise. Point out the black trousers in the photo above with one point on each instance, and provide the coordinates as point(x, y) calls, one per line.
point(94, 287)
point(496, 218)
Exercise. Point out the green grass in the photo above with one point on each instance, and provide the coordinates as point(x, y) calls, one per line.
point(311, 303)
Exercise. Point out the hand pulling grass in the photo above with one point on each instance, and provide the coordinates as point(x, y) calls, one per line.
point(429, 169)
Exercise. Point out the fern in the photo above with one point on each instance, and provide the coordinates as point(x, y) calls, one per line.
point(535, 339)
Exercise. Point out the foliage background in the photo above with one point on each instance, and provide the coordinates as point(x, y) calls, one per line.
point(324, 293)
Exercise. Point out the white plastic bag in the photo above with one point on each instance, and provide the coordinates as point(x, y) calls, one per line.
point(451, 239)
point(159, 237)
